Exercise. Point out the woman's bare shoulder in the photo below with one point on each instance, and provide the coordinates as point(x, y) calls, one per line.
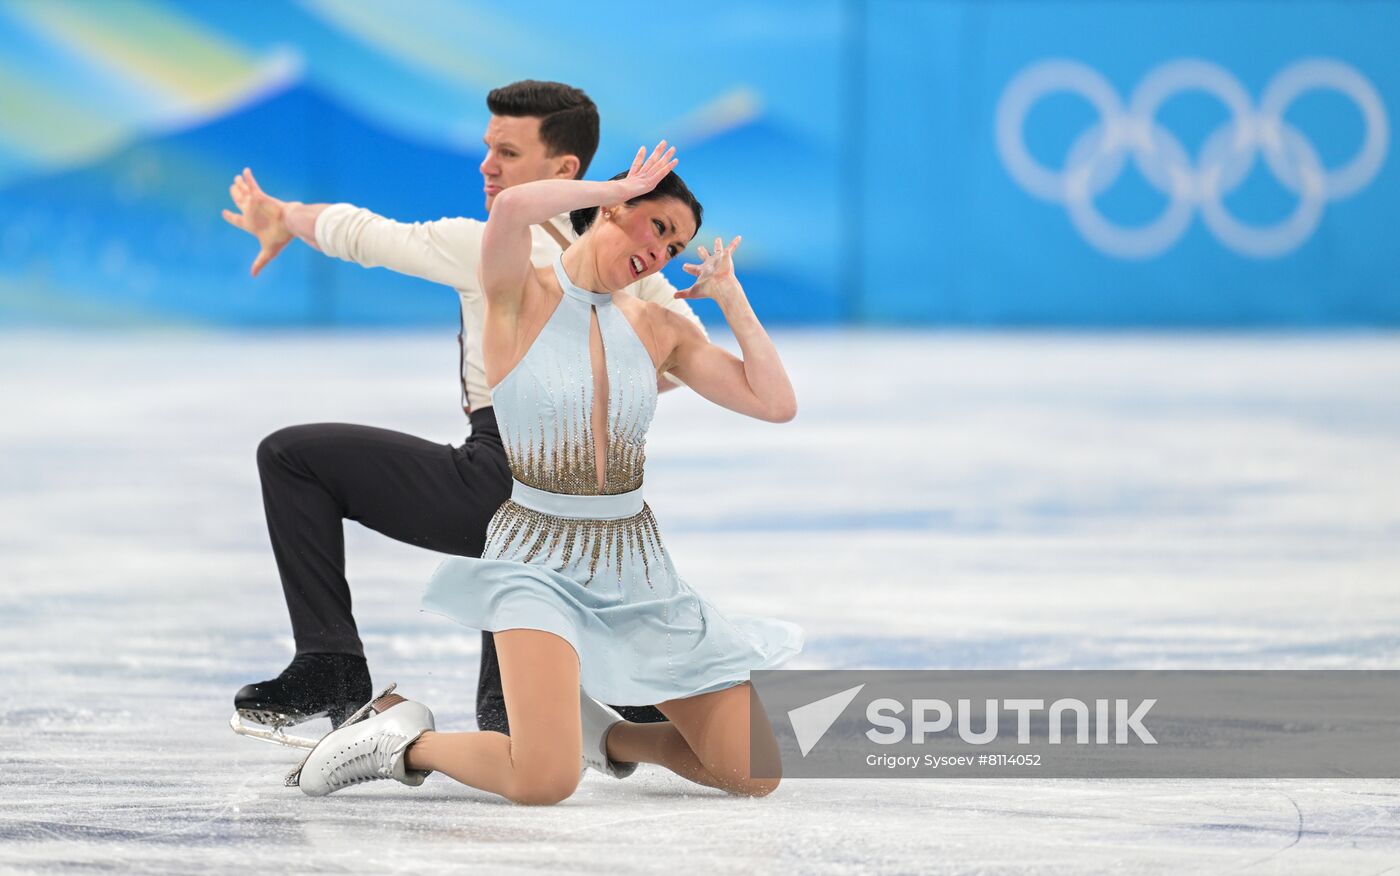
point(649, 319)
point(541, 291)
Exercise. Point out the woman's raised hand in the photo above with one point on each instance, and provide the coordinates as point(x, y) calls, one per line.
point(645, 173)
point(714, 276)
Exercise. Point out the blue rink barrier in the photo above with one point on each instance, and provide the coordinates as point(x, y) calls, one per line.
point(888, 162)
point(1130, 164)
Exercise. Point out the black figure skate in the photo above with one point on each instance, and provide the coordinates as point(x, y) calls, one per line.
point(312, 686)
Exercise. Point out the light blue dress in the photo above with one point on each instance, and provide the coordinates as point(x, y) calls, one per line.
point(586, 564)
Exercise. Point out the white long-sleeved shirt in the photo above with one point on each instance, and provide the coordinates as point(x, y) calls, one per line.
point(447, 251)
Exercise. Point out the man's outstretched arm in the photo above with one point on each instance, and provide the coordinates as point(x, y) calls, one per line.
point(444, 251)
point(300, 220)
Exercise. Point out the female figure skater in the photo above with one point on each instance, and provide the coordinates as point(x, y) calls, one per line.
point(575, 581)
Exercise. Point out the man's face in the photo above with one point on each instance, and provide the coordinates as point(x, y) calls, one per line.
point(515, 155)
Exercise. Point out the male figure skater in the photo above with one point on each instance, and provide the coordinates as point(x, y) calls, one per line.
point(432, 495)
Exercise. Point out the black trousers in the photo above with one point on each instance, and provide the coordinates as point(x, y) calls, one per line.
point(432, 495)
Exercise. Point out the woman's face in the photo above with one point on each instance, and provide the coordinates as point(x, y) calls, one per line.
point(636, 240)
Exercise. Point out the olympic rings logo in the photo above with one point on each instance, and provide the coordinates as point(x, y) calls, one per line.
point(1226, 157)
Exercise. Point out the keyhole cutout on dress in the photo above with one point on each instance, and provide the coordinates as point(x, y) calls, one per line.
point(597, 359)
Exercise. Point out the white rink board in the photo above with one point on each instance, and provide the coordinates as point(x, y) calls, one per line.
point(942, 501)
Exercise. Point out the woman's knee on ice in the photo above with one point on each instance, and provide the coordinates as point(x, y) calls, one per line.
point(543, 784)
point(746, 786)
point(734, 773)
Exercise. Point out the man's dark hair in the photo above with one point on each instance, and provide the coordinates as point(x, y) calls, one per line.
point(568, 118)
point(671, 186)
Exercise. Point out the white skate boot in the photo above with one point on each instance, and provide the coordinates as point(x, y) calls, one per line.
point(597, 720)
point(370, 745)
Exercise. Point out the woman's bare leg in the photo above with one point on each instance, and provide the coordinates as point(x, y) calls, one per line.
point(539, 762)
point(660, 743)
point(706, 740)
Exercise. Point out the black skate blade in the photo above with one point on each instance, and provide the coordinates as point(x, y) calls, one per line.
point(294, 777)
point(274, 735)
point(278, 719)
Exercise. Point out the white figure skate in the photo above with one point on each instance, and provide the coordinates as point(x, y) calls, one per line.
point(597, 720)
point(370, 745)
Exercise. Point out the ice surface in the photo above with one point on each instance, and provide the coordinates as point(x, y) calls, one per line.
point(950, 501)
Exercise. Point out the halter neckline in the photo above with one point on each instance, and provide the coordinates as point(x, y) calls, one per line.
point(596, 299)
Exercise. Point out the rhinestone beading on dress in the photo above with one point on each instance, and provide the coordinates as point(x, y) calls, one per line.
point(531, 536)
point(564, 462)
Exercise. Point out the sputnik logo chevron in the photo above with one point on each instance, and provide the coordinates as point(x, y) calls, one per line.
point(810, 722)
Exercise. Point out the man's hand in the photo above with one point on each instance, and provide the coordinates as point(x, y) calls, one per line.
point(261, 215)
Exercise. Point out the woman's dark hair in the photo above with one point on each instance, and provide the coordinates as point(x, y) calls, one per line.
point(671, 186)
point(568, 118)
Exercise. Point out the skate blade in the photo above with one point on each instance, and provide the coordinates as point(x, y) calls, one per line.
point(294, 777)
point(275, 735)
point(278, 720)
